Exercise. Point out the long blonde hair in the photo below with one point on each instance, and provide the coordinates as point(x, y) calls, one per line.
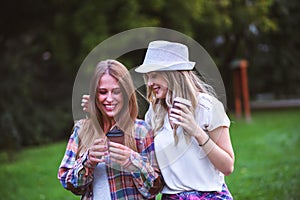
point(185, 84)
point(98, 123)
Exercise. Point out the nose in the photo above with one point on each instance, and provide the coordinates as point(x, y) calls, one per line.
point(109, 97)
point(149, 83)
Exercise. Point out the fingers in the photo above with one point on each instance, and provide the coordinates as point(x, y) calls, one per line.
point(99, 141)
point(85, 99)
point(98, 150)
point(178, 115)
point(85, 102)
point(118, 149)
point(86, 96)
point(117, 145)
point(96, 157)
point(182, 107)
point(119, 153)
point(176, 118)
point(182, 116)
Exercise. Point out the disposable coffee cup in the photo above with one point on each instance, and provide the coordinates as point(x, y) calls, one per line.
point(116, 135)
point(182, 101)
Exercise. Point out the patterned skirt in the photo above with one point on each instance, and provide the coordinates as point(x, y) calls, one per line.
point(197, 195)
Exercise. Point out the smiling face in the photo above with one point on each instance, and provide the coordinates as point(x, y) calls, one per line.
point(157, 84)
point(109, 96)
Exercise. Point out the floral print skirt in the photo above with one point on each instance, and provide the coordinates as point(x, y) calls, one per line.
point(197, 195)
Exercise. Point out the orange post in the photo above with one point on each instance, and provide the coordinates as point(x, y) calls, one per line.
point(241, 90)
point(244, 87)
point(237, 94)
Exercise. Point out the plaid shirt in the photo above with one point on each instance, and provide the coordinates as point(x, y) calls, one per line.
point(77, 178)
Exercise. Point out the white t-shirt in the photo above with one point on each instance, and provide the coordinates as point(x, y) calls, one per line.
point(185, 166)
point(100, 184)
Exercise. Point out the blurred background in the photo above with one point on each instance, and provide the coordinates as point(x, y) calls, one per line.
point(43, 43)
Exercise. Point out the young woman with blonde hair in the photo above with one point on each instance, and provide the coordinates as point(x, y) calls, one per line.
point(192, 141)
point(95, 166)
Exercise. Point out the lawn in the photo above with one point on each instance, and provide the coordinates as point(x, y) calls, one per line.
point(267, 162)
point(267, 156)
point(33, 176)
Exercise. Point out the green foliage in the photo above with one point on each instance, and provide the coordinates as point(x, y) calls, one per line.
point(42, 45)
point(277, 53)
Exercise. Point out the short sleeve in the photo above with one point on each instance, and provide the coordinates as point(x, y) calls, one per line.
point(218, 115)
point(210, 113)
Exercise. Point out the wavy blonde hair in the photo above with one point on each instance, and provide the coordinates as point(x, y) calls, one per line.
point(98, 124)
point(185, 84)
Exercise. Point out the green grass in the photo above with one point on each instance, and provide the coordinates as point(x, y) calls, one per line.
point(34, 175)
point(267, 163)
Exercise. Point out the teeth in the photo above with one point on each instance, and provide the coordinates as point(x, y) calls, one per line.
point(110, 106)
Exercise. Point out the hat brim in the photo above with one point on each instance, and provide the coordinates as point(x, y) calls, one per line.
point(146, 68)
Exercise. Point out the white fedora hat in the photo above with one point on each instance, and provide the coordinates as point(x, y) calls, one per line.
point(165, 56)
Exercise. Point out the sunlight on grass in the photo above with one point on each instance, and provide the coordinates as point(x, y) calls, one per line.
point(267, 163)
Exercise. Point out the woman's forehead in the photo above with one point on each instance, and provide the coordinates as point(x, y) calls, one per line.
point(108, 80)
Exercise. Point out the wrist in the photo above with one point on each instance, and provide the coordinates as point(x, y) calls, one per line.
point(130, 163)
point(90, 164)
point(200, 135)
point(205, 142)
point(87, 162)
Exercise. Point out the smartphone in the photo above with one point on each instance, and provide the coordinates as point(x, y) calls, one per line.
point(116, 135)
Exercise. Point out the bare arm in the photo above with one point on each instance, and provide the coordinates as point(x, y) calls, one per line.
point(218, 148)
point(216, 144)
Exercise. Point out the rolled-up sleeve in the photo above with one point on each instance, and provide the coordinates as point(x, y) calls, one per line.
point(72, 174)
point(218, 116)
point(210, 113)
point(146, 177)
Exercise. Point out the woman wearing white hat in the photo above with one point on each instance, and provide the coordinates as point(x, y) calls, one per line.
point(192, 141)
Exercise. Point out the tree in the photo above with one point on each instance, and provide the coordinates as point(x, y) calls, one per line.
point(44, 43)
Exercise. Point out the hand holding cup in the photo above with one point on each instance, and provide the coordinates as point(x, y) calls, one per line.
point(176, 115)
point(97, 151)
point(181, 115)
